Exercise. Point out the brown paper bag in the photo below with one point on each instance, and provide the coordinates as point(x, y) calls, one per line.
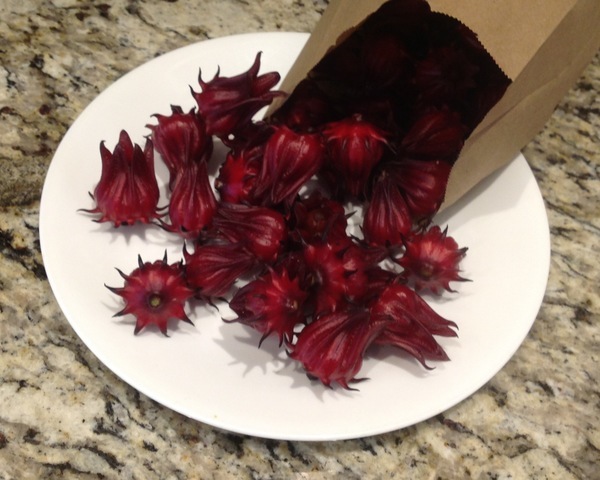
point(541, 45)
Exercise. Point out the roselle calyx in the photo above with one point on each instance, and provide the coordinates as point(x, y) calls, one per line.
point(154, 293)
point(128, 190)
point(445, 77)
point(290, 160)
point(435, 135)
point(385, 59)
point(354, 146)
point(180, 139)
point(365, 65)
point(260, 229)
point(431, 260)
point(192, 205)
point(316, 218)
point(338, 269)
point(422, 184)
point(227, 104)
point(332, 347)
point(212, 269)
point(413, 323)
point(399, 300)
point(238, 175)
point(387, 218)
point(272, 303)
point(306, 110)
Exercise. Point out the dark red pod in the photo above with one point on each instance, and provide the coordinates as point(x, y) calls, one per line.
point(180, 139)
point(227, 104)
point(435, 135)
point(289, 161)
point(397, 300)
point(318, 218)
point(431, 260)
point(339, 272)
point(238, 175)
point(385, 59)
point(307, 108)
point(413, 323)
point(213, 269)
point(332, 347)
point(409, 337)
point(445, 77)
point(272, 303)
point(128, 190)
point(192, 205)
point(422, 184)
point(355, 146)
point(260, 229)
point(378, 278)
point(387, 218)
point(154, 293)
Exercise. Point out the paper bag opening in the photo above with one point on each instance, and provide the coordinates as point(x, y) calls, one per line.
point(542, 47)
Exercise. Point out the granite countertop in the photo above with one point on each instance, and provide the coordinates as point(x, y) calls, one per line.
point(63, 414)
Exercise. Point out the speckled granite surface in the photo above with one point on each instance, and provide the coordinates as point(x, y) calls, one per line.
point(64, 415)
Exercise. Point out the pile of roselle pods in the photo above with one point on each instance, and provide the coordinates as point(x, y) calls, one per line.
point(377, 124)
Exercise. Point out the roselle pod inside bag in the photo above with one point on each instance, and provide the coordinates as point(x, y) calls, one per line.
point(540, 45)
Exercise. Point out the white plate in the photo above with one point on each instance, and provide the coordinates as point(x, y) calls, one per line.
point(213, 372)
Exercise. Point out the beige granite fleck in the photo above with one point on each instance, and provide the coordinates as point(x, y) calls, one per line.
point(65, 415)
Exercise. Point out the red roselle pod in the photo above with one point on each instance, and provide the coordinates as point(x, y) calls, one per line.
point(397, 300)
point(272, 303)
point(385, 59)
point(213, 269)
point(379, 278)
point(318, 218)
point(180, 139)
point(413, 324)
point(436, 135)
point(227, 104)
point(387, 218)
point(289, 161)
point(127, 191)
point(422, 184)
point(332, 347)
point(363, 65)
point(193, 203)
point(260, 229)
point(339, 270)
point(306, 109)
point(238, 175)
point(445, 77)
point(154, 293)
point(431, 260)
point(355, 147)
point(292, 262)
